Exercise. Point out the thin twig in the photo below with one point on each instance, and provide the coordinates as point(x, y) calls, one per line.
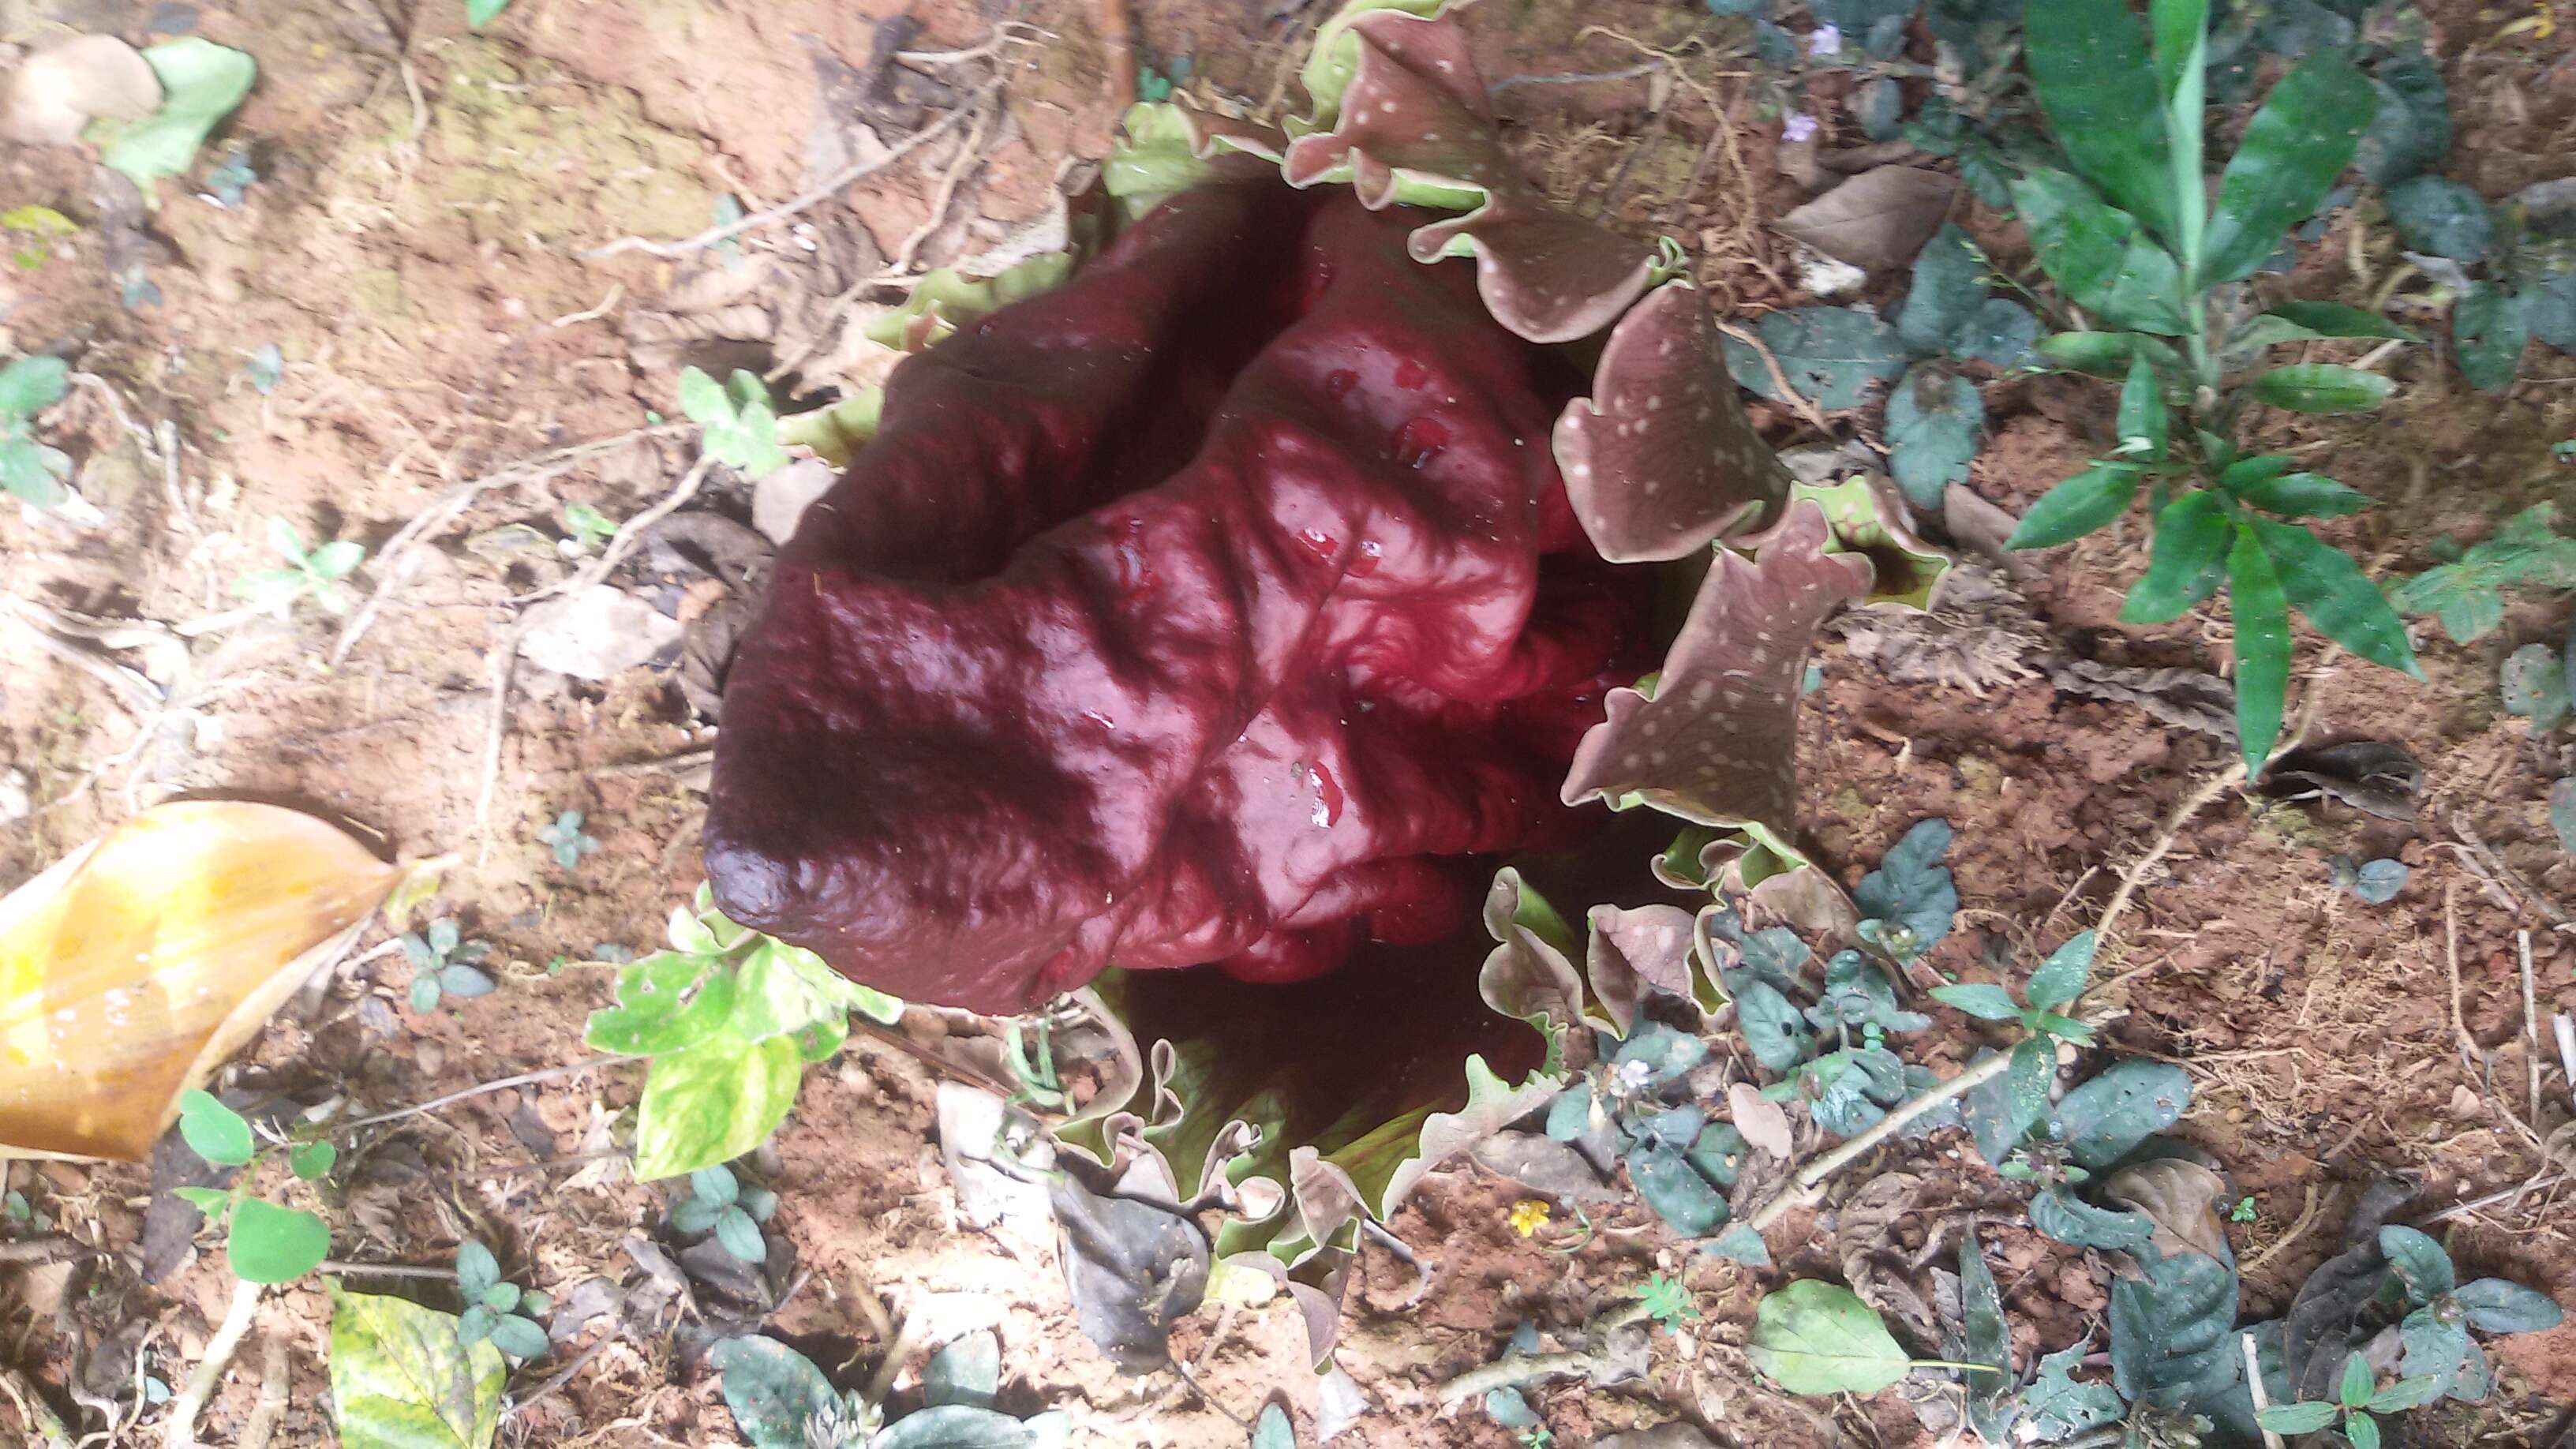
point(1806, 1186)
point(522, 1080)
point(881, 1383)
point(2530, 1023)
point(969, 156)
point(829, 187)
point(1779, 379)
point(2509, 1194)
point(1625, 72)
point(2197, 802)
point(2307, 1216)
point(271, 1405)
point(623, 540)
point(1118, 53)
point(561, 1376)
point(182, 1430)
point(2254, 1383)
point(2467, 1044)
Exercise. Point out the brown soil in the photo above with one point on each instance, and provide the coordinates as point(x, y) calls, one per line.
point(415, 249)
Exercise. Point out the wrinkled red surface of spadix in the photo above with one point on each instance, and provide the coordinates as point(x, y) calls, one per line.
point(1222, 606)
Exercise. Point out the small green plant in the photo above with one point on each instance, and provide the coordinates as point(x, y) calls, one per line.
point(497, 1309)
point(730, 1019)
point(741, 424)
point(780, 1400)
point(444, 965)
point(28, 468)
point(265, 1243)
point(2373, 882)
point(718, 1202)
point(2245, 1211)
point(566, 840)
point(2130, 236)
point(316, 573)
point(2465, 594)
point(1667, 1302)
point(2357, 1398)
point(586, 528)
point(2510, 282)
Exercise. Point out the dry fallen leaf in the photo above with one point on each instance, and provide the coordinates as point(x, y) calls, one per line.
point(2182, 1199)
point(134, 966)
point(1878, 219)
point(1760, 1120)
point(596, 633)
point(62, 88)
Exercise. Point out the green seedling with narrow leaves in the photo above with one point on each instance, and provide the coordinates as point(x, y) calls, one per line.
point(730, 1019)
point(444, 965)
point(2130, 235)
point(719, 1203)
point(740, 421)
point(28, 468)
point(497, 1309)
point(264, 1243)
point(564, 838)
point(314, 573)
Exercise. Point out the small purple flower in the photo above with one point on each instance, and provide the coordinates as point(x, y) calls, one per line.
point(1827, 40)
point(1798, 127)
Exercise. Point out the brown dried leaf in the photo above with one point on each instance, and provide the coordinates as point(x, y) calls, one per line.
point(60, 89)
point(1761, 1121)
point(2182, 1197)
point(1878, 219)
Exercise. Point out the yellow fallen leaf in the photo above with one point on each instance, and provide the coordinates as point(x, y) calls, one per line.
point(133, 967)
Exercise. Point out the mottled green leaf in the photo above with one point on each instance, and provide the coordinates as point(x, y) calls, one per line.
point(1828, 354)
point(1933, 418)
point(2099, 256)
point(712, 1102)
point(2060, 1214)
point(2305, 1418)
point(2439, 216)
point(402, 1379)
point(1948, 286)
point(30, 385)
point(2106, 1117)
point(2060, 979)
point(2497, 1305)
point(2489, 332)
point(1979, 999)
point(771, 1389)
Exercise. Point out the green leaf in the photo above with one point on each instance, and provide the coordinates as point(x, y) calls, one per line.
point(2496, 1305)
point(1933, 418)
point(2179, 32)
point(2315, 321)
point(2105, 354)
point(335, 559)
point(666, 1002)
point(521, 1338)
point(2407, 1393)
point(2534, 683)
point(2186, 561)
point(2088, 61)
point(477, 1271)
point(2413, 126)
point(502, 1297)
point(271, 1244)
point(2419, 1261)
point(1773, 1029)
point(2262, 648)
point(2061, 978)
point(771, 1389)
point(30, 385)
point(2489, 332)
point(26, 471)
point(783, 989)
point(2353, 1390)
point(2005, 334)
point(1984, 1336)
point(955, 1426)
point(2362, 1430)
point(201, 83)
point(2059, 1214)
point(2098, 255)
point(715, 1185)
point(2322, 387)
point(1979, 999)
point(1948, 287)
point(704, 399)
point(479, 13)
point(401, 1378)
point(2441, 217)
point(2105, 1118)
point(1814, 1337)
point(712, 1102)
point(1829, 354)
point(2076, 507)
point(2303, 495)
point(212, 1130)
point(2060, 1407)
point(214, 1202)
point(1674, 1190)
point(2331, 590)
point(1740, 1244)
point(2172, 1338)
point(2143, 421)
point(2434, 1349)
point(968, 1371)
point(1911, 889)
point(1274, 1429)
point(2297, 1418)
point(2297, 144)
point(741, 1236)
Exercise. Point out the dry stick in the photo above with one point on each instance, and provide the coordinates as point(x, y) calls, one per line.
point(830, 186)
point(271, 1405)
point(480, 1088)
point(1779, 379)
point(382, 1270)
point(182, 1433)
point(2530, 1024)
point(1513, 1368)
point(2468, 1046)
point(561, 1376)
point(2254, 1383)
point(1118, 47)
point(1808, 1185)
point(987, 106)
point(881, 1382)
point(2518, 1190)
